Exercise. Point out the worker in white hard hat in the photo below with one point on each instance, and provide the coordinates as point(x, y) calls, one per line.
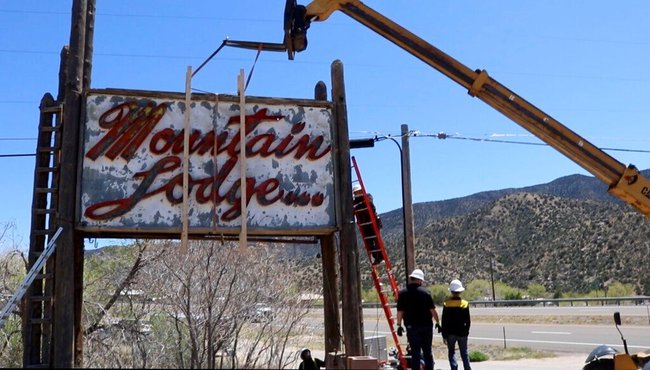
point(416, 308)
point(455, 325)
point(363, 215)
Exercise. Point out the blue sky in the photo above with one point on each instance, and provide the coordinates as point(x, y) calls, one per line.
point(582, 62)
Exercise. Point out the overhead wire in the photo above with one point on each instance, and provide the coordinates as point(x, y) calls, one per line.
point(442, 136)
point(411, 134)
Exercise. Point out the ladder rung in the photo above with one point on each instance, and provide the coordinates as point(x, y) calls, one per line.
point(47, 275)
point(40, 321)
point(41, 298)
point(47, 169)
point(46, 190)
point(366, 223)
point(371, 237)
point(43, 232)
point(50, 129)
point(52, 109)
point(47, 211)
point(44, 149)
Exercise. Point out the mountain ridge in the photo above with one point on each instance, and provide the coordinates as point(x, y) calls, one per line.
point(568, 235)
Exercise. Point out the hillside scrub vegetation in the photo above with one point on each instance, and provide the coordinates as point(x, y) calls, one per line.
point(481, 290)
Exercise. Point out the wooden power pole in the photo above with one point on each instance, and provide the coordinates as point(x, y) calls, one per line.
point(67, 341)
point(409, 228)
point(350, 275)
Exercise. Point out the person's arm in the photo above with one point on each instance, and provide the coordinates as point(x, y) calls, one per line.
point(434, 314)
point(442, 324)
point(319, 363)
point(398, 320)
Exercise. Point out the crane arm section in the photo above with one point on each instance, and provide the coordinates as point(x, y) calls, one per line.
point(625, 182)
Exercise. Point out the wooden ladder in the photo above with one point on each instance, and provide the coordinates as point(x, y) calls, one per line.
point(37, 315)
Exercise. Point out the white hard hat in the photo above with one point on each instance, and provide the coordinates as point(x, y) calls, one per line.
point(456, 286)
point(417, 274)
point(356, 188)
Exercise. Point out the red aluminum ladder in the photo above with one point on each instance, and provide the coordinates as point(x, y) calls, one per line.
point(373, 242)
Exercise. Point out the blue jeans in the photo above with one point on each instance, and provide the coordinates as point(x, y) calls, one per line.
point(420, 339)
point(462, 346)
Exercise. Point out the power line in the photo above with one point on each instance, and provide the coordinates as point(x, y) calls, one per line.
point(412, 133)
point(442, 135)
point(17, 155)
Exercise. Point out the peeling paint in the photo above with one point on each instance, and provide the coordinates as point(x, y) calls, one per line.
point(294, 168)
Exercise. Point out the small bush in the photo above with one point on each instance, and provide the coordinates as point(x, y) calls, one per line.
point(477, 356)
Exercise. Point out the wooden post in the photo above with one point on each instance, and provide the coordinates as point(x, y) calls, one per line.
point(186, 159)
point(79, 243)
point(242, 160)
point(331, 319)
point(350, 275)
point(409, 228)
point(330, 286)
point(70, 244)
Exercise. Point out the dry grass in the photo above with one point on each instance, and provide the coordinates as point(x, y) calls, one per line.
point(494, 352)
point(560, 320)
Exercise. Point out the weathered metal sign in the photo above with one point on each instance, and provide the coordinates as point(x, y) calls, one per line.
point(132, 172)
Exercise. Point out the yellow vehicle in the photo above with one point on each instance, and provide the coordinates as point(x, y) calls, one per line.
point(605, 357)
point(624, 181)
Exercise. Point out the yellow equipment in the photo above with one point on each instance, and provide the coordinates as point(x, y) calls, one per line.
point(624, 182)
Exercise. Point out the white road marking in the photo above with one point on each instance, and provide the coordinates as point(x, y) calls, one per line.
point(551, 332)
point(550, 342)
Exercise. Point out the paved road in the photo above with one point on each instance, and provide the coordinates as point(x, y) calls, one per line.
point(571, 343)
point(560, 338)
point(551, 337)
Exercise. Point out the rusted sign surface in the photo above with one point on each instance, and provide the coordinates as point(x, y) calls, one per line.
point(132, 172)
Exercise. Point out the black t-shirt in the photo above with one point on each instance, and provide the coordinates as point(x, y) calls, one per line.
point(311, 364)
point(416, 303)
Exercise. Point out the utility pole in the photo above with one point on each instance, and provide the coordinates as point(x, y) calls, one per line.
point(352, 320)
point(492, 279)
point(68, 285)
point(407, 203)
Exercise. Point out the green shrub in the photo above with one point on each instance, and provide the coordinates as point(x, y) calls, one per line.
point(477, 356)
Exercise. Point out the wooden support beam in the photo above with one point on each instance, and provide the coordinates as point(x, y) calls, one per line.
point(70, 245)
point(330, 282)
point(242, 160)
point(186, 160)
point(350, 275)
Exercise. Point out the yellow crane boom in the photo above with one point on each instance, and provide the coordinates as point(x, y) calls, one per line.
point(625, 182)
